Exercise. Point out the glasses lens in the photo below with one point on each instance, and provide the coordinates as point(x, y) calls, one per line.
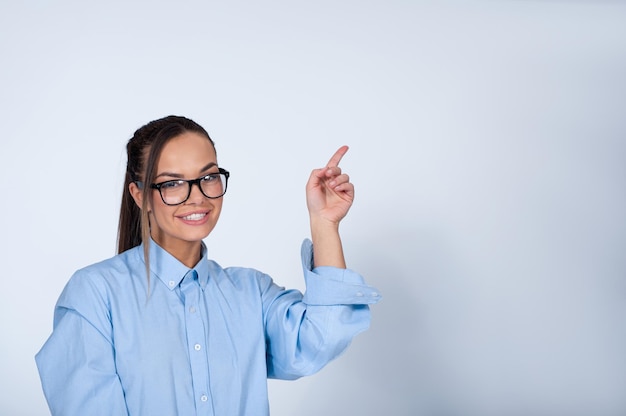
point(174, 192)
point(214, 185)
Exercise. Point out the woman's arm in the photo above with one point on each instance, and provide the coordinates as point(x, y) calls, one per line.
point(304, 333)
point(329, 194)
point(77, 362)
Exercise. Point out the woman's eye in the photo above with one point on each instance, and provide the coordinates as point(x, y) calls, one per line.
point(171, 184)
point(210, 178)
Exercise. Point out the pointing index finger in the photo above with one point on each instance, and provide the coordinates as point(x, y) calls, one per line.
point(334, 161)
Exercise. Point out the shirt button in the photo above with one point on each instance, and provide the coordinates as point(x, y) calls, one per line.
point(197, 347)
point(375, 295)
point(192, 309)
point(359, 294)
point(204, 398)
point(171, 283)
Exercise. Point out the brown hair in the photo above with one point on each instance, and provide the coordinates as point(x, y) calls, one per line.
point(143, 151)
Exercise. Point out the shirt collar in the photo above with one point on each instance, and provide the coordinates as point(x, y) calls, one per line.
point(169, 270)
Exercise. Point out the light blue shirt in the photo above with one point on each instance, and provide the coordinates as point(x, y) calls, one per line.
point(200, 341)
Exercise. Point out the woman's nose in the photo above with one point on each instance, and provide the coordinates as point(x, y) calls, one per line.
point(196, 195)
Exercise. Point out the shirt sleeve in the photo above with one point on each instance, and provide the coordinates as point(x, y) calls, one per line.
point(332, 286)
point(304, 333)
point(76, 364)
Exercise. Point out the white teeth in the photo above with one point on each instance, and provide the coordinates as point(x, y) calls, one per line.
point(194, 217)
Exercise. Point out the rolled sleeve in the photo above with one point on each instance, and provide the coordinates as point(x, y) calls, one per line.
point(327, 285)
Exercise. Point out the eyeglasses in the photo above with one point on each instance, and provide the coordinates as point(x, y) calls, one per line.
point(177, 191)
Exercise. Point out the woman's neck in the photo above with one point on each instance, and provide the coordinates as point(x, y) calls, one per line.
point(187, 252)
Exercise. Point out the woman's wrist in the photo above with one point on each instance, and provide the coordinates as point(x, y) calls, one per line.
point(327, 247)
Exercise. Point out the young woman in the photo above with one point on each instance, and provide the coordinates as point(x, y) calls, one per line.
point(160, 329)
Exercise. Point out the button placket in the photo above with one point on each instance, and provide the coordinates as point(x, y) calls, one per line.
point(196, 336)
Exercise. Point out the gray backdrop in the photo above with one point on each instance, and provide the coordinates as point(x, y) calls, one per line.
point(488, 151)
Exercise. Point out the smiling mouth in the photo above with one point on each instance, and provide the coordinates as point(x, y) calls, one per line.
point(194, 217)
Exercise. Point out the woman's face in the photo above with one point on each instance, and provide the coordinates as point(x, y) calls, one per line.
point(188, 156)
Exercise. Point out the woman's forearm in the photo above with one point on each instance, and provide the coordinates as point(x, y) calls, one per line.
point(327, 248)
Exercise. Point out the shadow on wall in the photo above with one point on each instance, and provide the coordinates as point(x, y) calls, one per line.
point(420, 278)
point(453, 337)
point(393, 368)
point(462, 336)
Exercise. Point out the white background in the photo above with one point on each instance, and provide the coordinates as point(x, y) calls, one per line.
point(488, 150)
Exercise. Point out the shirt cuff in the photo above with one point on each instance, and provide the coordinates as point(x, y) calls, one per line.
point(326, 285)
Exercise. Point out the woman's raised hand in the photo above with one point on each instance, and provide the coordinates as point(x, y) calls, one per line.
point(329, 192)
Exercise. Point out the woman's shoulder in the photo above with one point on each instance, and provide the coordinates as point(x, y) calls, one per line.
point(122, 262)
point(113, 270)
point(235, 272)
point(239, 276)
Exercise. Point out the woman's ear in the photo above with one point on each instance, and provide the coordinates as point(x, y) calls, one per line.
point(136, 193)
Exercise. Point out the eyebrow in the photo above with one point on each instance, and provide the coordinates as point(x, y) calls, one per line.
point(178, 175)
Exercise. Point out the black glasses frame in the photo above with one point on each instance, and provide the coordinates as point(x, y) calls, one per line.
point(191, 183)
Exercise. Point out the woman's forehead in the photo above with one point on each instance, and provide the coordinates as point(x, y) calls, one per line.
point(188, 152)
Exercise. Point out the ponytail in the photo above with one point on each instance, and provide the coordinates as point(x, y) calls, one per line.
point(129, 228)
